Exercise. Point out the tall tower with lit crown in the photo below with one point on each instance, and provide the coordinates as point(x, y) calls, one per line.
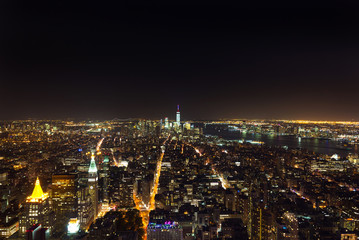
point(36, 209)
point(178, 116)
point(93, 185)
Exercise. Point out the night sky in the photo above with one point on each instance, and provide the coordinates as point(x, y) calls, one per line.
point(97, 60)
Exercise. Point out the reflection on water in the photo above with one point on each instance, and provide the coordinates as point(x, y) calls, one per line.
point(323, 146)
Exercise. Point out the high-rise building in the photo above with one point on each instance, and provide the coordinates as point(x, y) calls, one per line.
point(121, 186)
point(143, 188)
point(166, 123)
point(230, 200)
point(258, 226)
point(85, 212)
point(64, 199)
point(105, 176)
point(4, 191)
point(178, 117)
point(36, 209)
point(93, 185)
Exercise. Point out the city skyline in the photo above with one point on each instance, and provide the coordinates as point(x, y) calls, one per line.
point(179, 120)
point(176, 119)
point(179, 180)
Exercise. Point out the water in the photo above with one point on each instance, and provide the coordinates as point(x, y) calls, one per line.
point(328, 147)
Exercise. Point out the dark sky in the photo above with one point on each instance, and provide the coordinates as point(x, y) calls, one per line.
point(98, 60)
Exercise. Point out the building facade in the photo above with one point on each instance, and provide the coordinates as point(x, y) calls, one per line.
point(36, 210)
point(93, 185)
point(64, 199)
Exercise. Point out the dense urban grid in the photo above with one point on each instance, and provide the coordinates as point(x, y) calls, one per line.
point(174, 179)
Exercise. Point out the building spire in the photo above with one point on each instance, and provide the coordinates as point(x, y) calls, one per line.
point(93, 167)
point(37, 193)
point(178, 116)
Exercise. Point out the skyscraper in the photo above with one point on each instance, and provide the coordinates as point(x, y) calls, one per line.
point(166, 123)
point(37, 209)
point(85, 211)
point(64, 199)
point(93, 185)
point(105, 176)
point(178, 116)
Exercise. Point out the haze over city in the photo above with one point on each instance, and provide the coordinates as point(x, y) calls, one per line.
point(64, 59)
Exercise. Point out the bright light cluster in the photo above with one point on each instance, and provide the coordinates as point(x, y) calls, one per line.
point(73, 226)
point(37, 195)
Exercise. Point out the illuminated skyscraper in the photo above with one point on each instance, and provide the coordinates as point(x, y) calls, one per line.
point(85, 211)
point(178, 116)
point(36, 209)
point(105, 176)
point(166, 123)
point(121, 186)
point(93, 185)
point(64, 199)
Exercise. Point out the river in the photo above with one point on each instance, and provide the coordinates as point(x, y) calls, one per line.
point(328, 147)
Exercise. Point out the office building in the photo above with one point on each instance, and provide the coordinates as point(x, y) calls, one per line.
point(36, 210)
point(178, 117)
point(64, 199)
point(93, 185)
